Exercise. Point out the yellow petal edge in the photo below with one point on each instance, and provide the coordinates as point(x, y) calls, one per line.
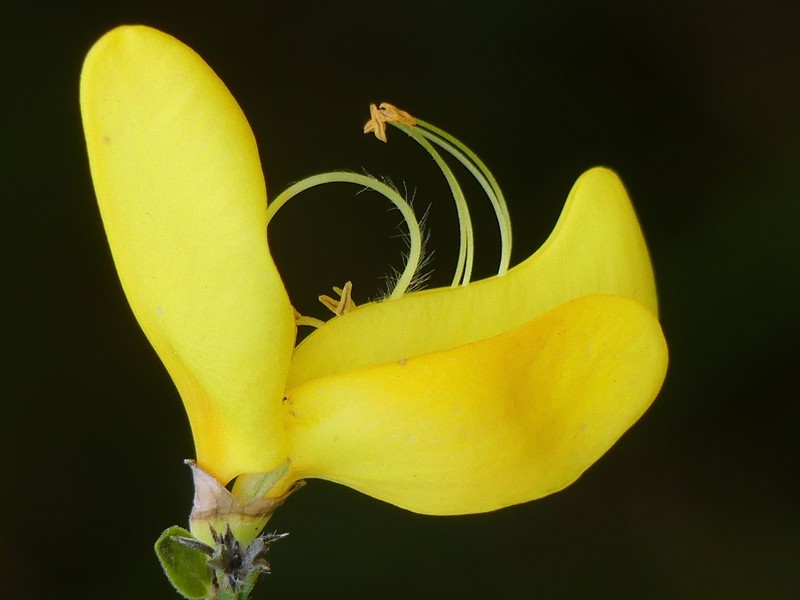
point(183, 200)
point(597, 247)
point(489, 424)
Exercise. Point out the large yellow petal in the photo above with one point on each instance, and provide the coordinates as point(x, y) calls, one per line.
point(183, 200)
point(493, 423)
point(597, 247)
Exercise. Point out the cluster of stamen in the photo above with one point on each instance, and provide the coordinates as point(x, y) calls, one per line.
point(345, 302)
point(386, 113)
point(429, 137)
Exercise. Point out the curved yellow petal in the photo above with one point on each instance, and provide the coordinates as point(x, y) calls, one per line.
point(597, 247)
point(490, 424)
point(183, 200)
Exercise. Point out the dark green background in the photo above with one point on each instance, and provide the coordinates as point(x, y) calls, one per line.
point(695, 104)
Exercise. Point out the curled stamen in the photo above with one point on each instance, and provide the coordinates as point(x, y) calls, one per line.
point(466, 251)
point(414, 235)
point(485, 178)
point(388, 113)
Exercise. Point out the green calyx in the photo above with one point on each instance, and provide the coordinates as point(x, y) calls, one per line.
point(225, 571)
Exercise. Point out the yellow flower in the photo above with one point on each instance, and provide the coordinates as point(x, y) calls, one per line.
point(445, 401)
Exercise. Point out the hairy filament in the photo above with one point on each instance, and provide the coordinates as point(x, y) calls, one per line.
point(466, 250)
point(415, 237)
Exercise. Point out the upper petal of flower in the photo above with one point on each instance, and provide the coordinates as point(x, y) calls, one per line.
point(496, 422)
point(183, 200)
point(597, 247)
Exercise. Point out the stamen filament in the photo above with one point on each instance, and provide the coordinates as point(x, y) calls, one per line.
point(415, 237)
point(466, 250)
point(481, 172)
point(309, 322)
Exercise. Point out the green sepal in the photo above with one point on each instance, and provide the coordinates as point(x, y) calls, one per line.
point(186, 568)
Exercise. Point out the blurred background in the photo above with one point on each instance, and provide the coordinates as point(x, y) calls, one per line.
point(694, 104)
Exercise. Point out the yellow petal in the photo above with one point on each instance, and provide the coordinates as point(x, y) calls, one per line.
point(493, 423)
point(597, 247)
point(178, 180)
